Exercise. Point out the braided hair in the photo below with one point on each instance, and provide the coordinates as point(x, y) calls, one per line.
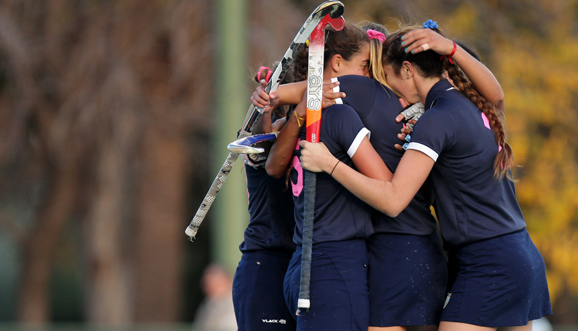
point(429, 65)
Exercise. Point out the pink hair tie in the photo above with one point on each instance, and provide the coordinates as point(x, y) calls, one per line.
point(268, 74)
point(372, 34)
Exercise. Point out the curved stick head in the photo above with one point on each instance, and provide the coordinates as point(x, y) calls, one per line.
point(333, 8)
point(242, 149)
point(336, 24)
point(244, 145)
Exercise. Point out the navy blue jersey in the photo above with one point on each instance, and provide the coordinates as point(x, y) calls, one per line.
point(378, 107)
point(471, 204)
point(271, 223)
point(339, 215)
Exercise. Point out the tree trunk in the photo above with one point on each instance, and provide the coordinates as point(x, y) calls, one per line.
point(108, 291)
point(38, 250)
point(160, 234)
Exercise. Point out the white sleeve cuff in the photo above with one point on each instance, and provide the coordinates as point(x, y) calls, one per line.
point(357, 141)
point(424, 149)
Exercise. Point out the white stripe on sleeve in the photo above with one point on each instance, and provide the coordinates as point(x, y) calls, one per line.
point(424, 149)
point(357, 141)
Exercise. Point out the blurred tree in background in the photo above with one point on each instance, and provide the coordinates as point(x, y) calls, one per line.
point(105, 117)
point(100, 103)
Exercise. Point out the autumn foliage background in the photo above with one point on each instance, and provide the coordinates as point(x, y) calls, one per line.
point(106, 110)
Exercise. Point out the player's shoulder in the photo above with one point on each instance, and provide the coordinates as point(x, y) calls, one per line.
point(339, 112)
point(435, 119)
point(356, 83)
point(356, 79)
point(338, 108)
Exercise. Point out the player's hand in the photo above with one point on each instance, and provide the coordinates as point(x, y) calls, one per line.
point(410, 115)
point(329, 96)
point(413, 112)
point(400, 118)
point(406, 128)
point(405, 137)
point(316, 157)
point(421, 40)
point(261, 99)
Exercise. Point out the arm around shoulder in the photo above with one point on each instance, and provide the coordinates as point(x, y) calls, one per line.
point(389, 197)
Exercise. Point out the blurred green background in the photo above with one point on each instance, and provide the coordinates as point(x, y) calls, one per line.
point(115, 116)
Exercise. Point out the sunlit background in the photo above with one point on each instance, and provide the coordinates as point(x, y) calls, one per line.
point(115, 116)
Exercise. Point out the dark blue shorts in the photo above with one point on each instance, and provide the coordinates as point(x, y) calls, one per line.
point(258, 292)
point(339, 298)
point(407, 279)
point(498, 282)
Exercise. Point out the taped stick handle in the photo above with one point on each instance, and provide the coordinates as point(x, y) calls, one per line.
point(309, 188)
point(211, 195)
point(314, 108)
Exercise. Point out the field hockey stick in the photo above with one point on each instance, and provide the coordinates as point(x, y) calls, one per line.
point(244, 145)
point(331, 8)
point(314, 97)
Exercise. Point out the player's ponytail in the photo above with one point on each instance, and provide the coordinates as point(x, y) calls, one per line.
point(377, 34)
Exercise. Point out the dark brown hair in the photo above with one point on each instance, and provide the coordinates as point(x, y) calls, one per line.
point(346, 42)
